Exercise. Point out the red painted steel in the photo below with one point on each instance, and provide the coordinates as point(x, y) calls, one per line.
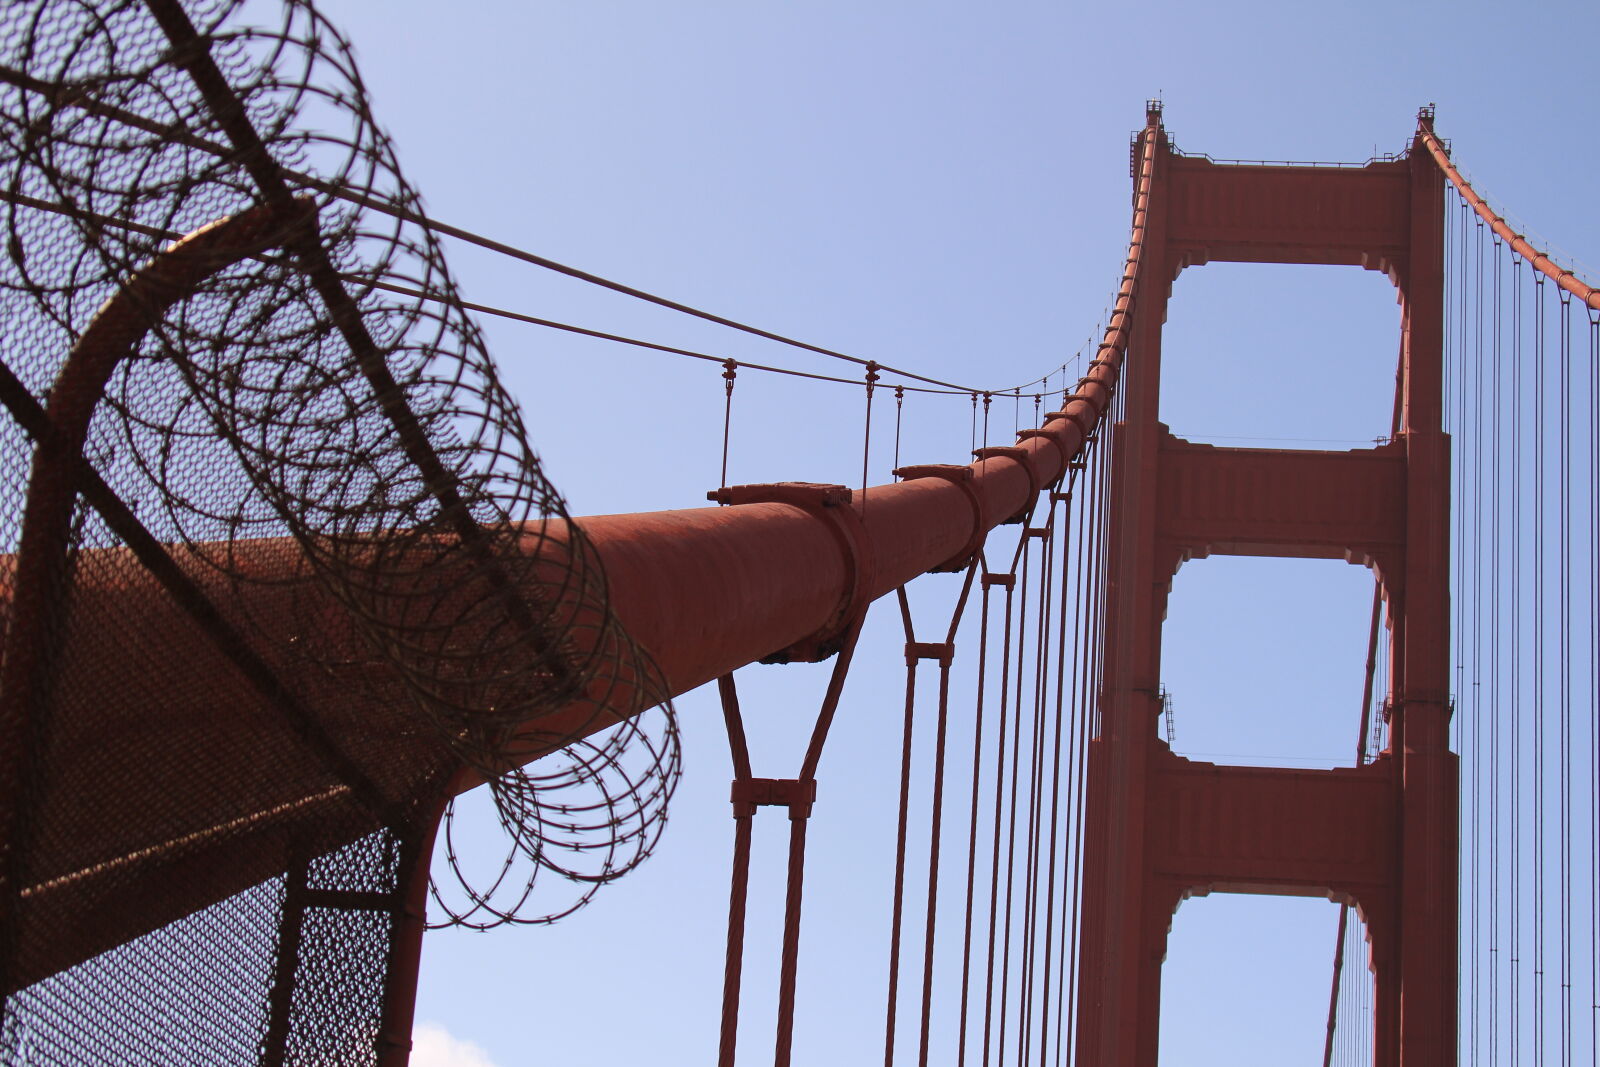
point(784, 571)
point(1160, 828)
point(706, 590)
point(1519, 244)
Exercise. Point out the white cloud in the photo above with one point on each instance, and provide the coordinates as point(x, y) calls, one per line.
point(434, 1046)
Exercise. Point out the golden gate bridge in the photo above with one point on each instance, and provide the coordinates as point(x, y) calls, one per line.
point(285, 576)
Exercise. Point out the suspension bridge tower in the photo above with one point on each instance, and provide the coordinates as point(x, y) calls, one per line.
point(1382, 837)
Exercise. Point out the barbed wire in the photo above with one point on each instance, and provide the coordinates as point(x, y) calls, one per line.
point(379, 516)
point(410, 211)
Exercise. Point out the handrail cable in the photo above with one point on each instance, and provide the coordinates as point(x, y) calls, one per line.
point(24, 200)
point(66, 94)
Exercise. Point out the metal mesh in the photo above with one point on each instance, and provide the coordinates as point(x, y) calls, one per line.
point(283, 571)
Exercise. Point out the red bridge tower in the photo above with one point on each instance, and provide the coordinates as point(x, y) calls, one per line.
point(1382, 837)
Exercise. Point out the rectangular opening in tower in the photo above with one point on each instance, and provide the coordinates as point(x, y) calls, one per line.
point(1264, 661)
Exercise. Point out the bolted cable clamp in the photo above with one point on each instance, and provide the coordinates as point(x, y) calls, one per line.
point(1020, 456)
point(831, 505)
point(960, 476)
point(944, 652)
point(796, 794)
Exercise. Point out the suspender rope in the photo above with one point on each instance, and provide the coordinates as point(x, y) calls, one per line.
point(899, 411)
point(797, 794)
point(916, 652)
point(1008, 581)
point(1059, 584)
point(1030, 895)
point(739, 887)
point(898, 900)
point(730, 371)
point(1020, 646)
point(936, 819)
point(972, 832)
point(866, 433)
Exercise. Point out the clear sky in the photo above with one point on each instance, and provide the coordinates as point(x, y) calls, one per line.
point(945, 187)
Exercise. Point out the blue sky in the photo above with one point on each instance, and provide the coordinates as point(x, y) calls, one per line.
point(943, 187)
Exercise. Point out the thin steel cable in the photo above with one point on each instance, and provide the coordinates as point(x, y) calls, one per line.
point(388, 286)
point(1041, 674)
point(1564, 662)
point(1077, 743)
point(730, 371)
point(899, 412)
point(1495, 695)
point(866, 433)
point(797, 846)
point(1539, 661)
point(1072, 712)
point(1594, 691)
point(81, 96)
point(1007, 939)
point(739, 880)
point(1338, 974)
point(935, 839)
point(972, 817)
point(1052, 933)
point(1367, 685)
point(1037, 1038)
point(902, 819)
point(936, 814)
point(1515, 680)
point(799, 815)
point(1482, 709)
point(1098, 512)
point(999, 800)
point(1470, 594)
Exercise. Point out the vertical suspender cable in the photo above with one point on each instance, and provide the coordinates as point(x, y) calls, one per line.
point(1052, 931)
point(972, 826)
point(936, 816)
point(1516, 475)
point(1593, 558)
point(1095, 524)
point(1564, 681)
point(999, 800)
point(1030, 929)
point(1473, 425)
point(899, 411)
point(1076, 738)
point(866, 433)
point(739, 883)
point(1459, 559)
point(1019, 647)
point(1496, 522)
point(896, 913)
point(730, 371)
point(1540, 625)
